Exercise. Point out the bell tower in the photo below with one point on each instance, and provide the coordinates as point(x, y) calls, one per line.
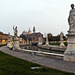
point(33, 29)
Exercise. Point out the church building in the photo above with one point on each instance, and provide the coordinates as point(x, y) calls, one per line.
point(31, 36)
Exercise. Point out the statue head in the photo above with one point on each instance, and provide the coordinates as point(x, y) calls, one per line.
point(72, 6)
point(16, 27)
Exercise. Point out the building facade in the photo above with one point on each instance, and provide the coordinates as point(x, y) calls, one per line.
point(4, 37)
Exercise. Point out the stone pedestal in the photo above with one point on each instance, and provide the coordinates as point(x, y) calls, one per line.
point(16, 43)
point(9, 44)
point(62, 44)
point(69, 54)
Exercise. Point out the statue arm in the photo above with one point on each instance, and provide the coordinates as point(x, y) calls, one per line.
point(13, 27)
point(69, 20)
point(69, 17)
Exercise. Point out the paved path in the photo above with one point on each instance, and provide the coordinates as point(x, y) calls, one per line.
point(48, 62)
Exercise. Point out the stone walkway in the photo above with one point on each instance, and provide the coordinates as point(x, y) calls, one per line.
point(45, 61)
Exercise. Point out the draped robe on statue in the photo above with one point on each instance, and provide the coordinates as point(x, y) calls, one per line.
point(71, 20)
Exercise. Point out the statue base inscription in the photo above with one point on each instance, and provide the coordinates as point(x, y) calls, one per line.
point(69, 54)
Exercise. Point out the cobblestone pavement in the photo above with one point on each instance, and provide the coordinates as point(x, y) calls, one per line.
point(45, 61)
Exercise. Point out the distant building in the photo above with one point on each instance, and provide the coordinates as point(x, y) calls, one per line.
point(4, 37)
point(31, 36)
point(26, 32)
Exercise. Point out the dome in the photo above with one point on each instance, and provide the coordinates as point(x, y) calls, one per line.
point(24, 32)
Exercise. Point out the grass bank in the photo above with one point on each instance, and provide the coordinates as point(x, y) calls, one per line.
point(10, 65)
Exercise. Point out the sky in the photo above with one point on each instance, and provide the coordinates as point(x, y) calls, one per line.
point(48, 16)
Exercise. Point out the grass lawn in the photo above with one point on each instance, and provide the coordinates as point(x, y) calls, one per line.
point(2, 45)
point(10, 65)
point(65, 43)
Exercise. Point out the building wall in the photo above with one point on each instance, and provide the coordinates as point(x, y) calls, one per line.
point(33, 36)
point(3, 38)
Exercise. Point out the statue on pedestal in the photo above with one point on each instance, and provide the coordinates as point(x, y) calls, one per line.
point(16, 40)
point(69, 54)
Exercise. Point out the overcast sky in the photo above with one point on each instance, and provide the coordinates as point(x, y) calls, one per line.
point(48, 16)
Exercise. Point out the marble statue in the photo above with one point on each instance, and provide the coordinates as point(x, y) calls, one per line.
point(9, 37)
point(47, 43)
point(9, 43)
point(23, 41)
point(27, 41)
point(61, 39)
point(61, 36)
point(71, 19)
point(40, 40)
point(15, 31)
